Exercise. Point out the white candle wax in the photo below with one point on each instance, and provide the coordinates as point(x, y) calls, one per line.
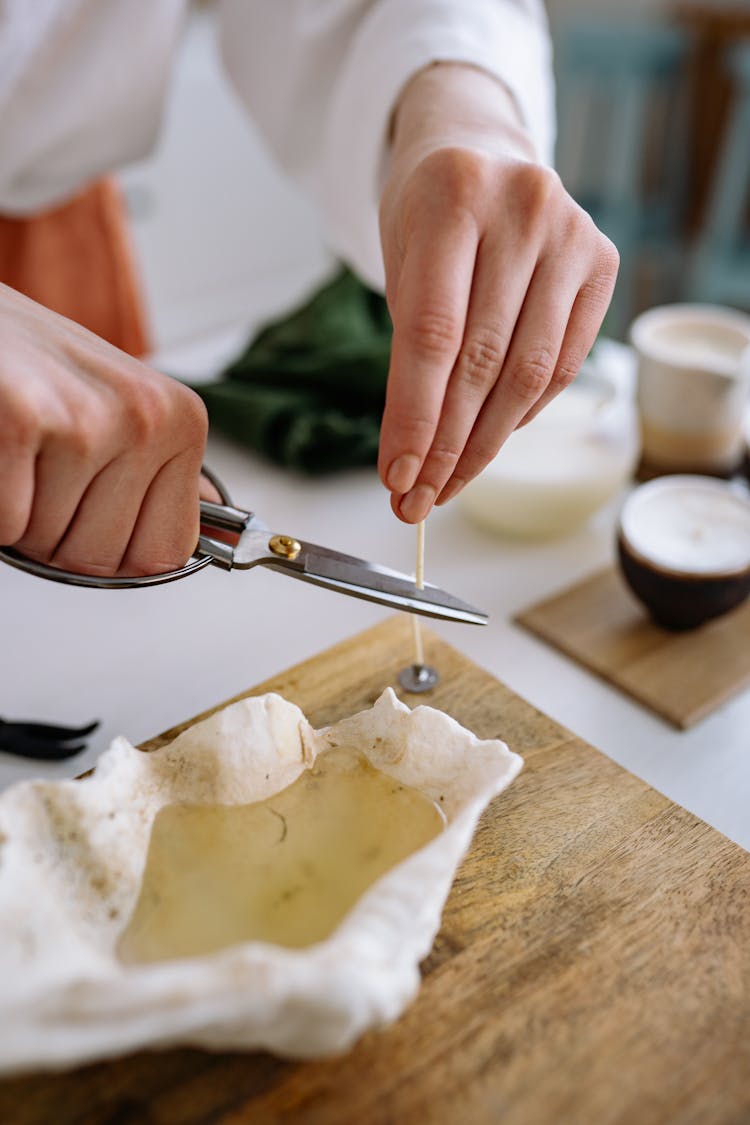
point(689, 525)
point(710, 346)
point(552, 474)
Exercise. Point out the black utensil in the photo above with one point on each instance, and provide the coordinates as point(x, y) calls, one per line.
point(46, 742)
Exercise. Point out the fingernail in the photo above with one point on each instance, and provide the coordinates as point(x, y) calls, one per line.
point(402, 473)
point(417, 503)
point(451, 489)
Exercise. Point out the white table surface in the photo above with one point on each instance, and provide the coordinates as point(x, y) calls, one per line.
point(142, 661)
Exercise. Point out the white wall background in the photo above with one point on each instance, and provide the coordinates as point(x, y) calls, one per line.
point(214, 252)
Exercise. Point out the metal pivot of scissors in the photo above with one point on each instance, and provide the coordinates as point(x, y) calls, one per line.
point(257, 545)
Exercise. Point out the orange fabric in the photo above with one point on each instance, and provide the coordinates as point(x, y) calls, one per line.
point(77, 260)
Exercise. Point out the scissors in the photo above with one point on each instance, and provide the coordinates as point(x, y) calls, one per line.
point(256, 545)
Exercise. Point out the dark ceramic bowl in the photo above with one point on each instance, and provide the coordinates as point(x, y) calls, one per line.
point(684, 548)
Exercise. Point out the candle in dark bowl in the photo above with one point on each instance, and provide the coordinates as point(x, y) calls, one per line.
point(684, 548)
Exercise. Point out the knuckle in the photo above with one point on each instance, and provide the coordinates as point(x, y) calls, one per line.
point(564, 374)
point(14, 520)
point(81, 437)
point(481, 359)
point(608, 257)
point(414, 431)
point(462, 175)
point(440, 460)
point(435, 334)
point(194, 418)
point(581, 229)
point(596, 295)
point(529, 377)
point(537, 187)
point(155, 406)
point(19, 424)
point(597, 290)
point(575, 233)
point(145, 411)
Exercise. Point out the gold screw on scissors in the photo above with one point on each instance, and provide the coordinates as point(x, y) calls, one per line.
point(284, 546)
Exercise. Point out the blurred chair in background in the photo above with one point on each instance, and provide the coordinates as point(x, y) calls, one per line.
point(622, 148)
point(720, 270)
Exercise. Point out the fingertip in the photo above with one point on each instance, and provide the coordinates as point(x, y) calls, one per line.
point(402, 473)
point(417, 504)
point(404, 515)
point(396, 498)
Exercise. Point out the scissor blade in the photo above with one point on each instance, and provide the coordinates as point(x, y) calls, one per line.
point(374, 583)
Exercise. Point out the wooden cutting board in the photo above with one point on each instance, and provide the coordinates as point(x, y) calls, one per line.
point(593, 964)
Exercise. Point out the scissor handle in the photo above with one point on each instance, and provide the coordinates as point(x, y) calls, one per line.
point(209, 551)
point(221, 517)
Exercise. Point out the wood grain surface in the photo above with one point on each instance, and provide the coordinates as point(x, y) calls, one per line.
point(681, 676)
point(593, 964)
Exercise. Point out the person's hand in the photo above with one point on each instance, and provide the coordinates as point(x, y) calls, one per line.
point(496, 280)
point(100, 455)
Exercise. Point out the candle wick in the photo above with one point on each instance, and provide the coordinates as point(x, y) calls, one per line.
point(419, 580)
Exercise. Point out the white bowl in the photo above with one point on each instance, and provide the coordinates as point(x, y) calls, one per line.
point(554, 474)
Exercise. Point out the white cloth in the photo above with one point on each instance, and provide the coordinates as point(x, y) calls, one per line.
point(83, 83)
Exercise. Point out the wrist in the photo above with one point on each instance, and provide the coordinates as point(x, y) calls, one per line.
point(451, 103)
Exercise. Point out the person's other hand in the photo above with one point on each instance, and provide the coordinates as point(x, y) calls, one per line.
point(496, 280)
point(100, 456)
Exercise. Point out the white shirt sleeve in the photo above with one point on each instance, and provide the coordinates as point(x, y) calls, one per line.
point(83, 83)
point(321, 78)
point(82, 91)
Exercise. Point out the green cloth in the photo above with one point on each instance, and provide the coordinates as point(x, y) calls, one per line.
point(309, 391)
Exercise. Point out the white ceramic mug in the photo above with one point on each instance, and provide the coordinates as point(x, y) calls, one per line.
point(693, 387)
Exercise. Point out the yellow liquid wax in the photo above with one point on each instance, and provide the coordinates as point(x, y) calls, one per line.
point(285, 870)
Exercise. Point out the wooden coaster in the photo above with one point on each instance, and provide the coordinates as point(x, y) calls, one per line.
point(681, 676)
